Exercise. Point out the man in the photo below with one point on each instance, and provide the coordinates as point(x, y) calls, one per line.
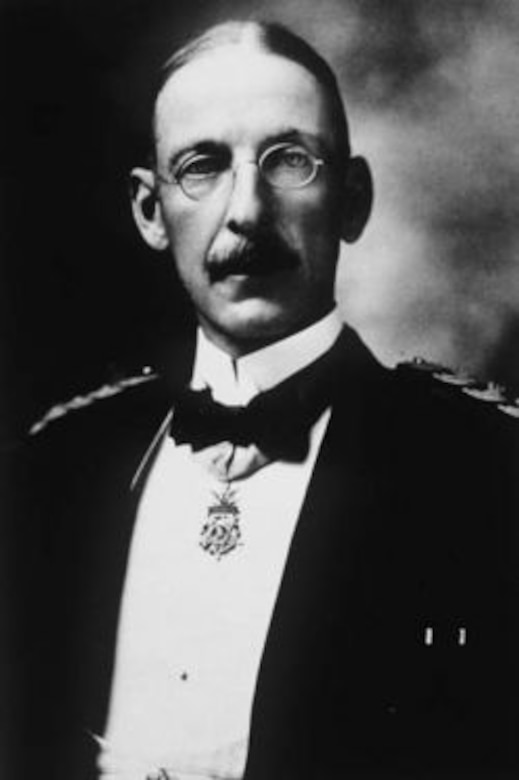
point(281, 561)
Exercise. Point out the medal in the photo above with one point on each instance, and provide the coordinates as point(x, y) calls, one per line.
point(221, 532)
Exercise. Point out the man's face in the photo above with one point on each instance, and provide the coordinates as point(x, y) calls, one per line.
point(258, 262)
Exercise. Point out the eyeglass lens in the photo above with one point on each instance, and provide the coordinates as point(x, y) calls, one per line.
point(283, 167)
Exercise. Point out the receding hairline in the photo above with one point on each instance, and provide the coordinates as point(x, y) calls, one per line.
point(268, 38)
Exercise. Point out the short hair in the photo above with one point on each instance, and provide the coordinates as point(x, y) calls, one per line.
point(272, 38)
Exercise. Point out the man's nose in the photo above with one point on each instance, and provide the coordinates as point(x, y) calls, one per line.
point(248, 199)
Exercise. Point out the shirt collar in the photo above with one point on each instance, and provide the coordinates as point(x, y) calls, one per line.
point(237, 381)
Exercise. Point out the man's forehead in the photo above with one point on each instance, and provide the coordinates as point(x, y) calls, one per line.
point(237, 84)
point(243, 60)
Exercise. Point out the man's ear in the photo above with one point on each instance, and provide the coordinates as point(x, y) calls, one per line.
point(357, 199)
point(146, 208)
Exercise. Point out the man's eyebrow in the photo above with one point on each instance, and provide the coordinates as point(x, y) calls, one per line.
point(286, 135)
point(199, 147)
point(294, 135)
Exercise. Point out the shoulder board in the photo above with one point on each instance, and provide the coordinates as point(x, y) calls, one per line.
point(82, 401)
point(500, 396)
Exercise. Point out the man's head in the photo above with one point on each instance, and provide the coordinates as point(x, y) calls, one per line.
point(252, 186)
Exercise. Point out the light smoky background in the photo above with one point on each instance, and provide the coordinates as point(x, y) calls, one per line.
point(432, 88)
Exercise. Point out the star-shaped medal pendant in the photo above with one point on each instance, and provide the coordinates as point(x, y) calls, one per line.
point(221, 532)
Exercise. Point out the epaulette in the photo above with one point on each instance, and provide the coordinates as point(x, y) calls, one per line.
point(82, 401)
point(500, 396)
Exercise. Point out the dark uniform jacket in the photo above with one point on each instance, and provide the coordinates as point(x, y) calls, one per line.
point(393, 647)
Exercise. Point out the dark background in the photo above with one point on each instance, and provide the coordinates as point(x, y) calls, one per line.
point(432, 92)
point(82, 299)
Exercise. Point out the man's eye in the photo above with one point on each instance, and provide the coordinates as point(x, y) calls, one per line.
point(288, 166)
point(292, 157)
point(203, 166)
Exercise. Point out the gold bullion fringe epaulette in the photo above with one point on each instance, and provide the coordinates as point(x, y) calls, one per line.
point(82, 401)
point(504, 398)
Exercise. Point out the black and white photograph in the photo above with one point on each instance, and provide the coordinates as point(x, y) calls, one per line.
point(259, 394)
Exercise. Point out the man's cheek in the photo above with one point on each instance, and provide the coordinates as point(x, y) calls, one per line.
point(303, 225)
point(188, 252)
point(192, 244)
point(192, 275)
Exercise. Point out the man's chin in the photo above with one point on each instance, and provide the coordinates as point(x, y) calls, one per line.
point(248, 324)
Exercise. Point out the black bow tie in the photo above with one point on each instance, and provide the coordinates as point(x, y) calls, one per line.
point(278, 421)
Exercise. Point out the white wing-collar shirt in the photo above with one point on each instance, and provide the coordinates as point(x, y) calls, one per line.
point(193, 626)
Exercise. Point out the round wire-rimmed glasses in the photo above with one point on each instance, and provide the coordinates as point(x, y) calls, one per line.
point(284, 166)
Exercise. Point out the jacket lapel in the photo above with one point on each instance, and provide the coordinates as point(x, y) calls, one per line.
point(336, 515)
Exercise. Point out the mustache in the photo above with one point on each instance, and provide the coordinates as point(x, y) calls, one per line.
point(255, 256)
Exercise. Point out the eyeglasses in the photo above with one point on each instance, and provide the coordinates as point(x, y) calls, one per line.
point(283, 166)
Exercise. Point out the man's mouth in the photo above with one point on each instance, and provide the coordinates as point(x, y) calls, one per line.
point(252, 259)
